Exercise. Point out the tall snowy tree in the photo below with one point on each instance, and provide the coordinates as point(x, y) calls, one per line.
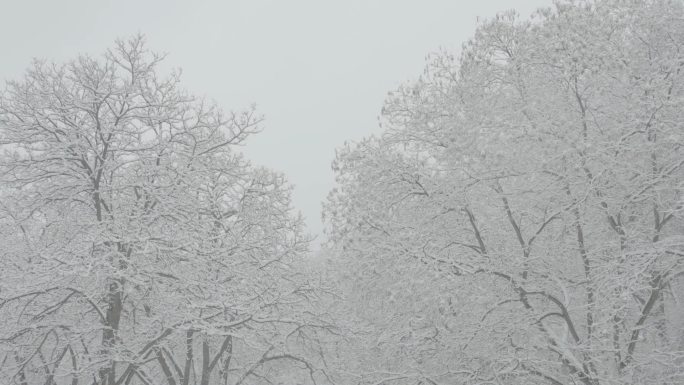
point(530, 191)
point(139, 247)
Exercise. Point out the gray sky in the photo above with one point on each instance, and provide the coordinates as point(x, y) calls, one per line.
point(318, 70)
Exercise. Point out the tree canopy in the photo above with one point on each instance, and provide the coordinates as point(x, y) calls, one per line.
point(519, 220)
point(138, 246)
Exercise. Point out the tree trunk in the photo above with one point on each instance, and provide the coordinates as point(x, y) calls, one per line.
point(113, 316)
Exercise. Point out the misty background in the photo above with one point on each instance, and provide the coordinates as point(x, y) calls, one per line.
point(318, 71)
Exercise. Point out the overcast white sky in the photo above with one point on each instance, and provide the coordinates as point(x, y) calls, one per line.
point(318, 70)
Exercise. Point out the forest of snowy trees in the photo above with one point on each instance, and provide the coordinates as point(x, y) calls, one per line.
point(519, 220)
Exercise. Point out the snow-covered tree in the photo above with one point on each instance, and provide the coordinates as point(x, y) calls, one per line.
point(139, 247)
point(520, 218)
